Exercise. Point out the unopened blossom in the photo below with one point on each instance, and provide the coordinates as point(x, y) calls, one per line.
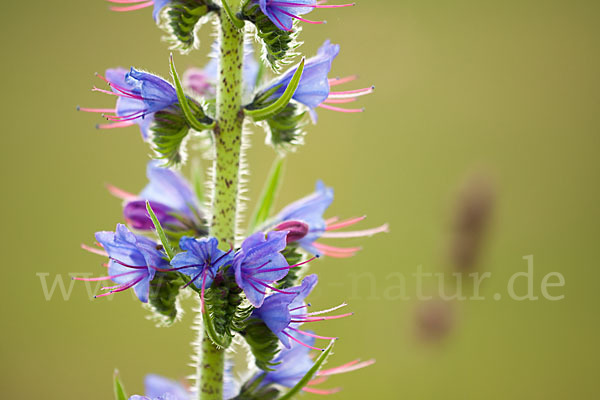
point(291, 365)
point(283, 12)
point(259, 263)
point(171, 197)
point(132, 5)
point(133, 261)
point(283, 313)
point(140, 95)
point(310, 209)
point(200, 260)
point(314, 88)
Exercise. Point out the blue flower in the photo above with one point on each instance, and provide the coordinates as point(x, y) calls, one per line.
point(158, 6)
point(283, 12)
point(171, 197)
point(200, 259)
point(133, 263)
point(310, 210)
point(314, 87)
point(140, 95)
point(259, 263)
point(291, 365)
point(156, 386)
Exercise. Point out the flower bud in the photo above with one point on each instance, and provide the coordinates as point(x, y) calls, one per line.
point(296, 230)
point(136, 214)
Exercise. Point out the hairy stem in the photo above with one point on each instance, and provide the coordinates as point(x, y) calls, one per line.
point(227, 142)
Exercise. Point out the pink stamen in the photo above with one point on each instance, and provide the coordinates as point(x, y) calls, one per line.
point(311, 334)
point(317, 319)
point(120, 193)
point(259, 267)
point(352, 93)
point(132, 8)
point(125, 1)
point(331, 220)
point(121, 124)
point(353, 234)
point(281, 24)
point(96, 110)
point(289, 266)
point(344, 110)
point(104, 278)
point(262, 283)
point(325, 311)
point(301, 342)
point(299, 18)
point(287, 4)
point(255, 288)
point(298, 308)
point(321, 391)
point(345, 223)
point(333, 249)
point(122, 288)
point(340, 81)
point(317, 381)
point(340, 101)
point(348, 367)
point(94, 250)
point(129, 266)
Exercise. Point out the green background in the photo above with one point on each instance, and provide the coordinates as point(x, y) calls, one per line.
point(510, 88)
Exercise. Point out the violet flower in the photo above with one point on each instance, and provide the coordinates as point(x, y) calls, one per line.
point(161, 388)
point(171, 197)
point(200, 260)
point(133, 262)
point(140, 95)
point(310, 209)
point(139, 4)
point(283, 12)
point(291, 365)
point(283, 313)
point(259, 263)
point(314, 86)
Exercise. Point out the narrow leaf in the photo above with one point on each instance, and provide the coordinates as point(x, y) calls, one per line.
point(282, 102)
point(183, 101)
point(198, 179)
point(161, 233)
point(267, 197)
point(310, 374)
point(118, 387)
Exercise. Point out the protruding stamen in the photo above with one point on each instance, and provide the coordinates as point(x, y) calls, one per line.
point(351, 93)
point(312, 334)
point(340, 81)
point(96, 110)
point(348, 367)
point(94, 250)
point(317, 319)
point(129, 266)
point(344, 110)
point(120, 193)
point(134, 7)
point(301, 342)
point(309, 389)
point(340, 101)
point(268, 286)
point(103, 278)
point(362, 233)
point(326, 311)
point(290, 266)
point(345, 223)
point(289, 14)
point(334, 251)
point(121, 124)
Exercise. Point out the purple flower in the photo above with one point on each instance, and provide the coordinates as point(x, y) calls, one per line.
point(133, 263)
point(291, 365)
point(201, 259)
point(171, 197)
point(314, 87)
point(283, 313)
point(156, 386)
point(283, 12)
point(259, 263)
point(140, 95)
point(139, 4)
point(310, 210)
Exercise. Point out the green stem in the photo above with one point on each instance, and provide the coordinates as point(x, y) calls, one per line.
point(227, 142)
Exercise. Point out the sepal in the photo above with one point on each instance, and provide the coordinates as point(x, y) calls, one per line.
point(278, 46)
point(286, 129)
point(263, 343)
point(183, 18)
point(164, 290)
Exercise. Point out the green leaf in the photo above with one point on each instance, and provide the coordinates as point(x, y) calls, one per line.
point(279, 105)
point(310, 374)
point(198, 179)
point(183, 102)
point(118, 387)
point(267, 197)
point(161, 233)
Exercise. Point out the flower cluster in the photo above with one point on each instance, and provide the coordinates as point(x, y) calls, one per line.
point(255, 286)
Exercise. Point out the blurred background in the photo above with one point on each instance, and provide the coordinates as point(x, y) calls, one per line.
point(500, 99)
